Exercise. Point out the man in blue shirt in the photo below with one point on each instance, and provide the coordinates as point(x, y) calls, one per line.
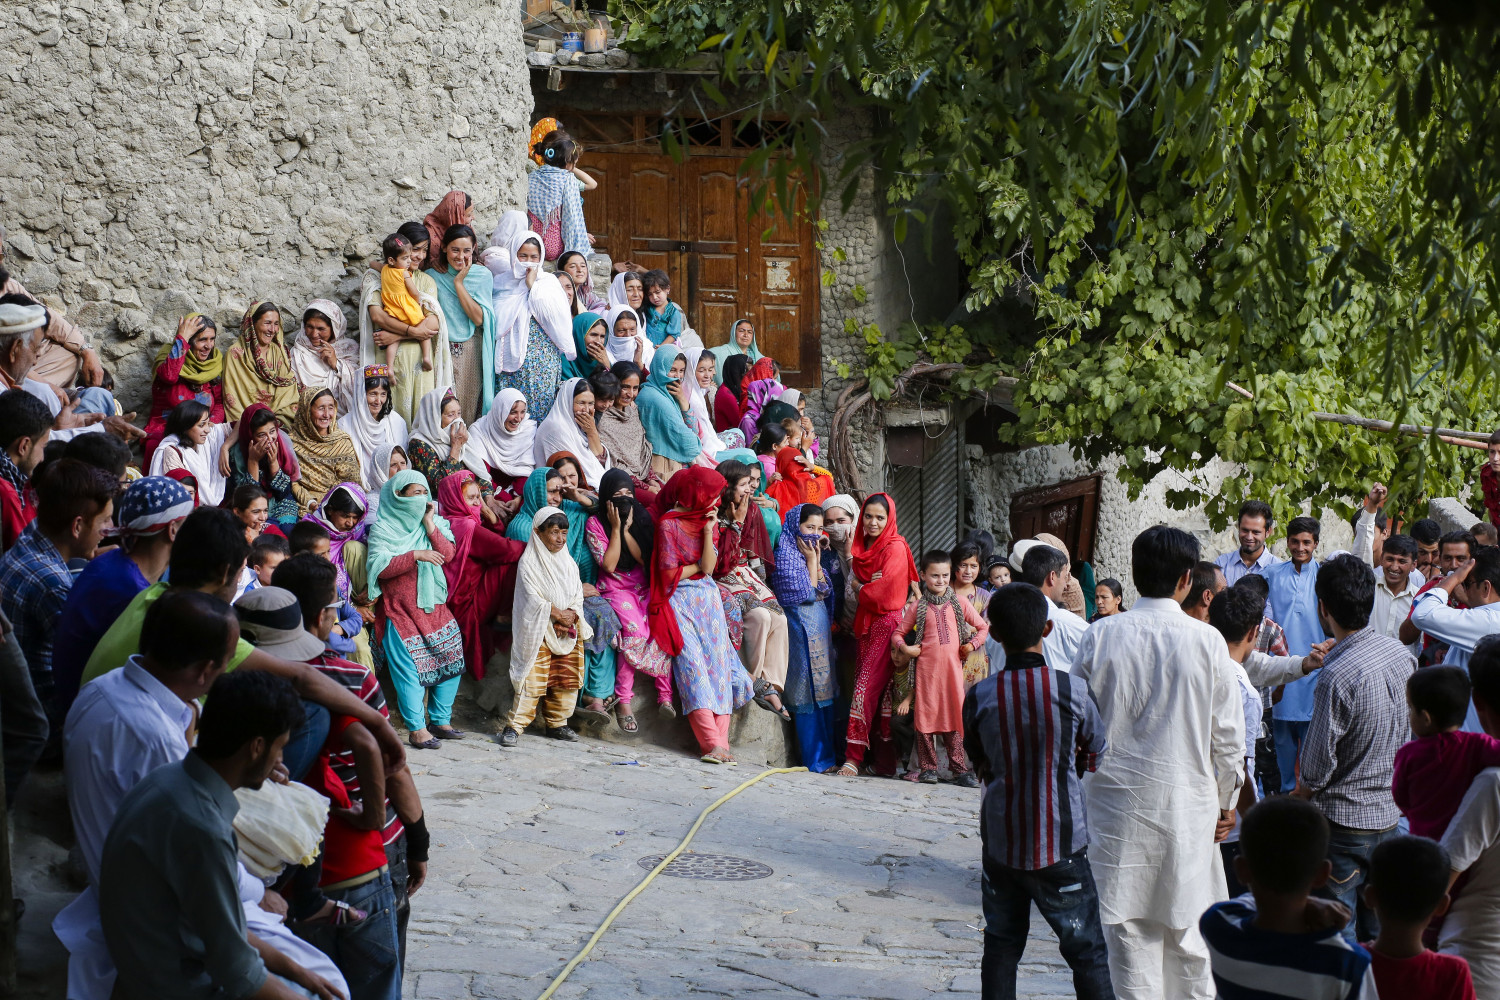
point(1294, 606)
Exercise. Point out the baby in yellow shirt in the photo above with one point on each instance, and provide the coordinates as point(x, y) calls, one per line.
point(398, 293)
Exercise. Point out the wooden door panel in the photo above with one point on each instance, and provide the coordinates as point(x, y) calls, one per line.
point(723, 265)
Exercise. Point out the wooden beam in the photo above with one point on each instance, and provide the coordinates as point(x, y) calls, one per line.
point(1385, 425)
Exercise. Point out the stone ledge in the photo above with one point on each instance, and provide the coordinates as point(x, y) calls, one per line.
point(1452, 514)
point(756, 735)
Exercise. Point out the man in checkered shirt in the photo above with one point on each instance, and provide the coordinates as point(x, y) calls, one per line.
point(1358, 722)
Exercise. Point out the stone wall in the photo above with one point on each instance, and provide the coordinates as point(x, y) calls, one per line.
point(994, 479)
point(198, 154)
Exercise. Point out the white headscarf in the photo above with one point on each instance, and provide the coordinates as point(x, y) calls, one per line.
point(345, 381)
point(201, 460)
point(843, 502)
point(427, 425)
point(516, 305)
point(379, 465)
point(370, 436)
point(545, 580)
point(560, 433)
point(623, 348)
point(508, 451)
point(698, 405)
point(617, 291)
point(790, 396)
point(496, 256)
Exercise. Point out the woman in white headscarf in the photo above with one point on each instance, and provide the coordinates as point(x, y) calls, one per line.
point(323, 357)
point(438, 447)
point(373, 423)
point(628, 291)
point(570, 428)
point(550, 630)
point(533, 326)
point(503, 439)
point(700, 384)
point(627, 340)
point(389, 459)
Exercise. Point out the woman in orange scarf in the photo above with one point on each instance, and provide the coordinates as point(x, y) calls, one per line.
point(884, 573)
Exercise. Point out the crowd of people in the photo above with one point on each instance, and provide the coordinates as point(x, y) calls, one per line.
point(505, 465)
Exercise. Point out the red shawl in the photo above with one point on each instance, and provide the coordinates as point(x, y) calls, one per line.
point(763, 369)
point(888, 555)
point(797, 485)
point(463, 519)
point(449, 212)
point(698, 489)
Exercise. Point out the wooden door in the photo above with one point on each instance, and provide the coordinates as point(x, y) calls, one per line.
point(1068, 510)
point(690, 220)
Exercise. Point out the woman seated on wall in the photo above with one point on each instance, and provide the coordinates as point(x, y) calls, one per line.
point(322, 357)
point(258, 369)
point(189, 366)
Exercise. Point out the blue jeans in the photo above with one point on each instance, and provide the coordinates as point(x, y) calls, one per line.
point(367, 953)
point(1288, 737)
point(1350, 850)
point(1068, 900)
point(306, 740)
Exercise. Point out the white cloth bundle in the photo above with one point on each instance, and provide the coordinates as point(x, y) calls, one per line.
point(279, 825)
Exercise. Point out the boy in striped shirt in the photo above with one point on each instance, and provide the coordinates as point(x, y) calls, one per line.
point(1278, 940)
point(1031, 731)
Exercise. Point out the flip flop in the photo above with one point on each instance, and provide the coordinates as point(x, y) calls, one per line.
point(594, 716)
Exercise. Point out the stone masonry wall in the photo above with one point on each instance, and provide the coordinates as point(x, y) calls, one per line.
point(199, 154)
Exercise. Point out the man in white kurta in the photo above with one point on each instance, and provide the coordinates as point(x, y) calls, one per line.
point(1169, 698)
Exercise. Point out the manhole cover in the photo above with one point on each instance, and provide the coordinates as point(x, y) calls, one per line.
point(710, 867)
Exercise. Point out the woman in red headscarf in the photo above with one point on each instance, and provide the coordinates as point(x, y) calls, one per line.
point(456, 209)
point(686, 613)
point(482, 573)
point(884, 572)
point(188, 480)
point(797, 484)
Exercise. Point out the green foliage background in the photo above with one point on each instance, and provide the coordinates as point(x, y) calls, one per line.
point(1154, 198)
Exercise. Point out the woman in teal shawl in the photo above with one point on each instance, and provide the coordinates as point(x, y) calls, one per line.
point(544, 488)
point(741, 341)
point(467, 297)
point(591, 356)
point(772, 514)
point(420, 640)
point(663, 405)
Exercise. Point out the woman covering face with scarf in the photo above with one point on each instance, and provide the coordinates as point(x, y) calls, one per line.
point(811, 681)
point(482, 573)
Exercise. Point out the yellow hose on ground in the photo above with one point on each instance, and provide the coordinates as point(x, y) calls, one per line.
point(594, 938)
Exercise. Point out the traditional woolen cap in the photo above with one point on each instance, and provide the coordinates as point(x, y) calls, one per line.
point(150, 504)
point(271, 620)
point(16, 319)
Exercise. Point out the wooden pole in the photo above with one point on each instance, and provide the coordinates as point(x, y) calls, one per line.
point(1386, 425)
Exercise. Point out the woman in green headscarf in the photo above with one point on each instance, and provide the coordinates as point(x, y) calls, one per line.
point(189, 366)
point(664, 407)
point(543, 489)
point(589, 333)
point(466, 295)
point(741, 341)
point(420, 639)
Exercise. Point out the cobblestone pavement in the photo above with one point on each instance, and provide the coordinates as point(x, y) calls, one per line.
point(875, 891)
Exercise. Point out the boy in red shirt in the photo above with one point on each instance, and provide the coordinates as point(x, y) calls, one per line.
point(25, 429)
point(1407, 887)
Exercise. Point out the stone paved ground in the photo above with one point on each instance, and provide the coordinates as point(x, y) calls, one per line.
point(875, 893)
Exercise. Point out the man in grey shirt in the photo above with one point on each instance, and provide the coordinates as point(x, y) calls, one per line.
point(168, 882)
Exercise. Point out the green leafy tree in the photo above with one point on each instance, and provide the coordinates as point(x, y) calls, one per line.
point(1155, 200)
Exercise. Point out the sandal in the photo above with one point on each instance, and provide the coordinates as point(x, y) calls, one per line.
point(666, 711)
point(611, 702)
point(764, 692)
point(629, 725)
point(719, 755)
point(594, 716)
point(848, 770)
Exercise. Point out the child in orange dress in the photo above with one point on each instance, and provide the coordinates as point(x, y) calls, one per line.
point(398, 293)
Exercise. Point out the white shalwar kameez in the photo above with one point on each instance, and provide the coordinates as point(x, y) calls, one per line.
point(1170, 702)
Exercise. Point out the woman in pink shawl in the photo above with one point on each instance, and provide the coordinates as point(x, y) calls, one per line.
point(759, 394)
point(482, 573)
point(455, 209)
